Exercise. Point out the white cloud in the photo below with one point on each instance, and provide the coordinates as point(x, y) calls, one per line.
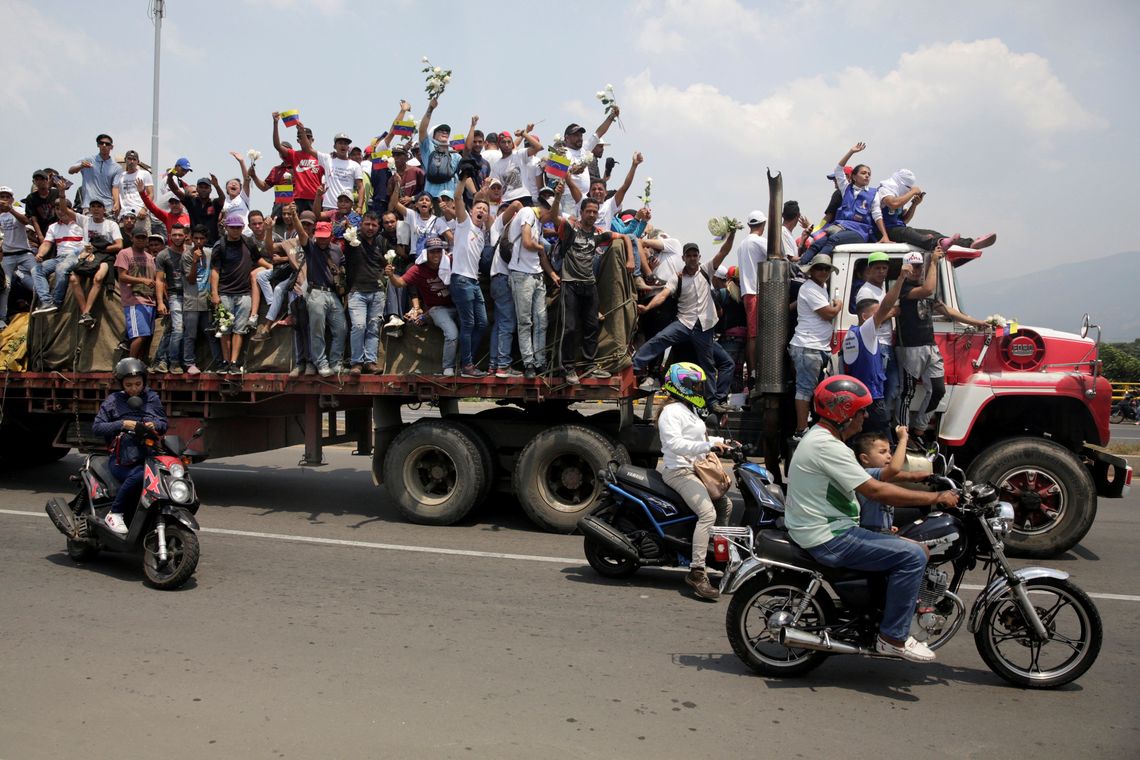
point(672, 26)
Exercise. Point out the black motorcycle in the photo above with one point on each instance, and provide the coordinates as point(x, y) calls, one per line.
point(643, 522)
point(162, 524)
point(1032, 626)
point(1125, 409)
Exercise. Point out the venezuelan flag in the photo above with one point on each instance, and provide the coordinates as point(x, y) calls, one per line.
point(381, 161)
point(403, 128)
point(459, 143)
point(283, 193)
point(557, 166)
point(291, 118)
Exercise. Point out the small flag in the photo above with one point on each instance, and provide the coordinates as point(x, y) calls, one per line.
point(290, 118)
point(283, 193)
point(459, 143)
point(1012, 327)
point(403, 128)
point(557, 166)
point(380, 161)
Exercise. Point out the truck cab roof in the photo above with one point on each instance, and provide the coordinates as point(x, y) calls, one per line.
point(957, 255)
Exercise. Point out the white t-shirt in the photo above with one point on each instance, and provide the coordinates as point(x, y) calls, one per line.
point(669, 261)
point(524, 259)
point(404, 233)
point(490, 155)
point(684, 436)
point(871, 290)
point(498, 266)
point(511, 171)
point(107, 228)
point(467, 249)
point(341, 175)
point(606, 213)
point(15, 234)
point(420, 230)
point(812, 330)
point(753, 250)
point(239, 206)
point(581, 180)
point(696, 300)
point(791, 250)
point(129, 197)
point(69, 238)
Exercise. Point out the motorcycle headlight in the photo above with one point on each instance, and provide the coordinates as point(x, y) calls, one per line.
point(177, 471)
point(180, 491)
point(1003, 521)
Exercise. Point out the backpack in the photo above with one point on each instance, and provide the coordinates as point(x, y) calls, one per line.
point(438, 167)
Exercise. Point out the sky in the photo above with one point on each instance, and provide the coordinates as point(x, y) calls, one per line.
point(1012, 115)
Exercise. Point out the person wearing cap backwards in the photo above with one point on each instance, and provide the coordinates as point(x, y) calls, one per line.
point(200, 207)
point(810, 347)
point(822, 511)
point(342, 174)
point(434, 296)
point(100, 174)
point(439, 162)
point(323, 260)
point(898, 190)
point(129, 199)
point(695, 322)
point(231, 263)
point(306, 165)
point(176, 215)
point(106, 240)
point(516, 168)
point(17, 250)
point(136, 270)
point(40, 203)
point(577, 146)
point(69, 234)
point(863, 353)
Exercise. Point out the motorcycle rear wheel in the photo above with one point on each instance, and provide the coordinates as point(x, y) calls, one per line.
point(80, 551)
point(1007, 645)
point(605, 564)
point(182, 551)
point(756, 644)
point(1116, 417)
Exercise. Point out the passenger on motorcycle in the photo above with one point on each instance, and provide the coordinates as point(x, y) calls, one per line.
point(822, 513)
point(684, 438)
point(117, 416)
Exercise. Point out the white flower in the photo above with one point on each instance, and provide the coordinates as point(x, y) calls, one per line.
point(411, 117)
point(447, 79)
point(648, 181)
point(253, 155)
point(351, 236)
point(609, 88)
point(425, 59)
point(601, 95)
point(390, 256)
point(558, 137)
point(437, 70)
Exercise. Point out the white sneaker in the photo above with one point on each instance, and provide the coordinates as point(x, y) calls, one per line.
point(449, 372)
point(46, 308)
point(115, 522)
point(912, 650)
point(325, 372)
point(394, 322)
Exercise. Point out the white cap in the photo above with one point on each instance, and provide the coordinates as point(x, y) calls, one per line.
point(722, 272)
point(915, 258)
point(757, 217)
point(6, 189)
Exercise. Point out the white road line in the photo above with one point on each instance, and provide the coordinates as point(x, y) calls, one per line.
point(461, 552)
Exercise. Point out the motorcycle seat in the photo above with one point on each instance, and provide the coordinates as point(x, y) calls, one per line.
point(651, 480)
point(778, 545)
point(101, 468)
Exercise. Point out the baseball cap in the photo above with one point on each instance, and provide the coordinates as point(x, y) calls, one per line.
point(235, 220)
point(690, 247)
point(341, 136)
point(819, 260)
point(757, 217)
point(495, 181)
point(442, 128)
point(399, 150)
point(505, 135)
point(323, 230)
point(846, 171)
point(92, 202)
point(878, 256)
point(6, 189)
point(183, 163)
point(733, 272)
point(204, 181)
point(308, 216)
point(574, 129)
point(603, 142)
point(915, 259)
point(39, 174)
point(140, 230)
point(447, 194)
point(546, 197)
point(157, 236)
point(722, 272)
point(344, 195)
point(434, 243)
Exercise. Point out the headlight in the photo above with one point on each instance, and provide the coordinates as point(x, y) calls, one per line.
point(177, 471)
point(1003, 522)
point(180, 491)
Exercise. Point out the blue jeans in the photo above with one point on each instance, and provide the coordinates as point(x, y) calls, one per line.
point(714, 360)
point(503, 331)
point(472, 311)
point(13, 263)
point(170, 347)
point(836, 235)
point(444, 318)
point(903, 561)
point(808, 363)
point(191, 320)
point(62, 266)
point(529, 292)
point(325, 310)
point(364, 312)
point(130, 479)
point(894, 384)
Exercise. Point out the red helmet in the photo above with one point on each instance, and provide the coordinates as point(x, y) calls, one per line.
point(839, 397)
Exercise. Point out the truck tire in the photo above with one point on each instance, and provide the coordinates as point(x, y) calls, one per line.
point(486, 457)
point(556, 479)
point(1052, 493)
point(434, 472)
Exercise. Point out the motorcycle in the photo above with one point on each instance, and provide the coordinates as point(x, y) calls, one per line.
point(1032, 626)
point(642, 522)
point(1125, 409)
point(163, 522)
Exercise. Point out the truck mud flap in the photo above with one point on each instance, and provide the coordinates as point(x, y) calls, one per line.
point(1101, 463)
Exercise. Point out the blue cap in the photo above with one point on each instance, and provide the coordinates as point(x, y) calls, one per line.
point(183, 163)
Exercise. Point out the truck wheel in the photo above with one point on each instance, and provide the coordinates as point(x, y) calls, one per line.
point(486, 457)
point(434, 472)
point(556, 477)
point(1053, 495)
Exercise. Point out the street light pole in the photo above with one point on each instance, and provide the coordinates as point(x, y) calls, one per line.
point(157, 10)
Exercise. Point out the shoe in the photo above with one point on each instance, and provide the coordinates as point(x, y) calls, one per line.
point(325, 371)
point(601, 374)
point(799, 435)
point(295, 372)
point(253, 320)
point(338, 368)
point(161, 368)
point(193, 370)
point(115, 522)
point(649, 385)
point(235, 369)
point(572, 377)
point(946, 242)
point(355, 370)
point(699, 580)
point(912, 650)
point(449, 372)
point(262, 333)
point(512, 373)
point(222, 368)
point(87, 320)
point(472, 371)
point(719, 407)
point(529, 373)
point(176, 370)
point(985, 241)
point(372, 368)
point(44, 308)
point(310, 370)
point(393, 322)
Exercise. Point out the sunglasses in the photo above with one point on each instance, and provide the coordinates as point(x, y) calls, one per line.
point(104, 143)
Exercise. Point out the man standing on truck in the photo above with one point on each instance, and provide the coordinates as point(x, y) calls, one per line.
point(874, 289)
point(918, 354)
point(863, 353)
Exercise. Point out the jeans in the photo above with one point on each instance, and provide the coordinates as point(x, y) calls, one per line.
point(130, 479)
point(13, 263)
point(364, 313)
point(325, 310)
point(579, 321)
point(894, 384)
point(445, 319)
point(503, 331)
point(809, 363)
point(835, 235)
point(902, 560)
point(713, 359)
point(238, 305)
point(685, 482)
point(170, 347)
point(472, 312)
point(62, 266)
point(191, 320)
point(398, 302)
point(274, 296)
point(529, 291)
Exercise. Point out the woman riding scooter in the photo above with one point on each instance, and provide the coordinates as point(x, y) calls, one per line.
point(684, 438)
point(117, 416)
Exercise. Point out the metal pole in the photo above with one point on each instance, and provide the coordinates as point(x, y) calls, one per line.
point(158, 10)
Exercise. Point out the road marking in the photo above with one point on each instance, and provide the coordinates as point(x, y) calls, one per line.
point(465, 552)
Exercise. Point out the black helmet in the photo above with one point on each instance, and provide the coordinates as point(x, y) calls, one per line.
point(129, 367)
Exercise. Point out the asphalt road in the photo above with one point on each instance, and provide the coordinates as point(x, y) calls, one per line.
point(1125, 431)
point(321, 625)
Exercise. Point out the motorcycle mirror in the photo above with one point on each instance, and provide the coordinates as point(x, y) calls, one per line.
point(135, 402)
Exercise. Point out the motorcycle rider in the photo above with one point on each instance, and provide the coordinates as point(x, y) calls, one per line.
point(117, 416)
point(683, 438)
point(822, 513)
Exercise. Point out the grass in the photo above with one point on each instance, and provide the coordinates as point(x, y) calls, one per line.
point(1125, 448)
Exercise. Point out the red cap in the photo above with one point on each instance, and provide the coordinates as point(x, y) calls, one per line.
point(506, 135)
point(323, 230)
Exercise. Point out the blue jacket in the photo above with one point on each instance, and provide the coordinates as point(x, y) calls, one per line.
point(114, 410)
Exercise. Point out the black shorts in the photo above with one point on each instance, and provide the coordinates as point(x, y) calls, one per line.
point(87, 269)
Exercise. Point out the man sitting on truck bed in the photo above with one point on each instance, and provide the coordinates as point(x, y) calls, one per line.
point(433, 294)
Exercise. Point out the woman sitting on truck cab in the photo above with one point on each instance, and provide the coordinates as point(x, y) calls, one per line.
point(892, 197)
point(857, 216)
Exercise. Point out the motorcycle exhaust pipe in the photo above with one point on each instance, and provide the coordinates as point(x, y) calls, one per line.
point(61, 517)
point(797, 639)
point(609, 537)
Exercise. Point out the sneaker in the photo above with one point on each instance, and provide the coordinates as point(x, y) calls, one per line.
point(221, 368)
point(472, 371)
point(649, 385)
point(235, 369)
point(912, 650)
point(44, 308)
point(262, 333)
point(372, 368)
point(985, 241)
point(719, 407)
point(310, 370)
point(295, 372)
point(946, 242)
point(502, 374)
point(529, 373)
point(115, 522)
point(601, 374)
point(338, 368)
point(512, 373)
point(572, 377)
point(87, 320)
point(193, 370)
point(326, 371)
point(161, 368)
point(393, 323)
point(449, 372)
point(355, 370)
point(176, 370)
point(699, 580)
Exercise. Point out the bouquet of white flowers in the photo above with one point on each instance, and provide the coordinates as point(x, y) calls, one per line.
point(390, 256)
point(609, 103)
point(720, 226)
point(436, 78)
point(253, 156)
point(351, 236)
point(587, 159)
point(223, 319)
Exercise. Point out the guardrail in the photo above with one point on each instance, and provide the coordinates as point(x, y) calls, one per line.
point(1119, 389)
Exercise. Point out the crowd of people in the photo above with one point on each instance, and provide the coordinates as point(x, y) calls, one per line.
point(419, 228)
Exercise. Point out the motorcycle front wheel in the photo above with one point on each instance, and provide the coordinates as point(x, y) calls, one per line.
point(182, 552)
point(1116, 417)
point(1009, 647)
point(759, 601)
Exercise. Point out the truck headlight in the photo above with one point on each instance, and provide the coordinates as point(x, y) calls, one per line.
point(180, 491)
